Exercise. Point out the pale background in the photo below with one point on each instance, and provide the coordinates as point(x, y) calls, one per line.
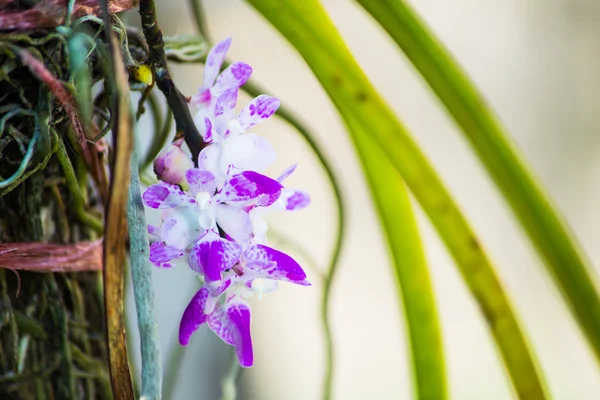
point(537, 63)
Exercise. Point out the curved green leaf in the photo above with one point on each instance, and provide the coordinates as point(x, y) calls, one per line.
point(414, 284)
point(306, 25)
point(527, 199)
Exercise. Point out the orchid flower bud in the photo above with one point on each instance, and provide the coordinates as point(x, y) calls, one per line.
point(171, 164)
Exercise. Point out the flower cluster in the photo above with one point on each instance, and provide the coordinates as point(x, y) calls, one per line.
point(213, 214)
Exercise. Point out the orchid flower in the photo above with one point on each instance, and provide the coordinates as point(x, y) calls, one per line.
point(212, 214)
point(194, 215)
point(259, 270)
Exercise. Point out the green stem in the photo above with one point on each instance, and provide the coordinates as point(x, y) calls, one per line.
point(228, 388)
point(73, 186)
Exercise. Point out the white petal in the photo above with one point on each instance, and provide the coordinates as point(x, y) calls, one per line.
point(248, 152)
point(235, 222)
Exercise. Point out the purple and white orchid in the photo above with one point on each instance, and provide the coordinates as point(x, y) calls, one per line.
point(212, 214)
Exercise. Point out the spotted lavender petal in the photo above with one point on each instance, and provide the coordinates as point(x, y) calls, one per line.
point(165, 195)
point(161, 255)
point(233, 76)
point(231, 322)
point(265, 262)
point(259, 109)
point(248, 185)
point(212, 254)
point(292, 200)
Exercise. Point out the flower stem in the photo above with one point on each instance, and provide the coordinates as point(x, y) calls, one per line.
point(175, 99)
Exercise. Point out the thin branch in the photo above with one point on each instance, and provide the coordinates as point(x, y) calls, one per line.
point(175, 99)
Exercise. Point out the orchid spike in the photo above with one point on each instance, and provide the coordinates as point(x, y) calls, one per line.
point(212, 215)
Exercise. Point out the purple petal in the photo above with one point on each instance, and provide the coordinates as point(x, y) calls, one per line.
point(248, 185)
point(213, 254)
point(193, 316)
point(286, 172)
point(201, 181)
point(233, 77)
point(214, 60)
point(164, 195)
point(161, 254)
point(269, 263)
point(239, 314)
point(226, 102)
point(235, 222)
point(260, 108)
point(294, 199)
point(232, 324)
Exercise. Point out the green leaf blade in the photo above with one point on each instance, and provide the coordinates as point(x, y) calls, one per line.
point(410, 267)
point(306, 25)
point(535, 212)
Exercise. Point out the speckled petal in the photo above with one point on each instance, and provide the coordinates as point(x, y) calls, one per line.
point(161, 254)
point(259, 109)
point(180, 228)
point(246, 186)
point(214, 60)
point(232, 77)
point(294, 199)
point(231, 323)
point(201, 181)
point(164, 195)
point(212, 254)
point(266, 262)
point(226, 102)
point(193, 317)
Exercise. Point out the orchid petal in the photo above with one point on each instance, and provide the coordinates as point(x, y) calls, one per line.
point(226, 102)
point(235, 222)
point(260, 108)
point(240, 315)
point(200, 181)
point(180, 229)
point(193, 316)
point(214, 60)
point(161, 254)
point(294, 199)
point(213, 254)
point(248, 152)
point(246, 186)
point(232, 324)
point(209, 160)
point(232, 77)
point(269, 263)
point(286, 172)
point(164, 195)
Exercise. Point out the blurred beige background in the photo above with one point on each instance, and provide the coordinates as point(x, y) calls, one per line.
point(537, 62)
